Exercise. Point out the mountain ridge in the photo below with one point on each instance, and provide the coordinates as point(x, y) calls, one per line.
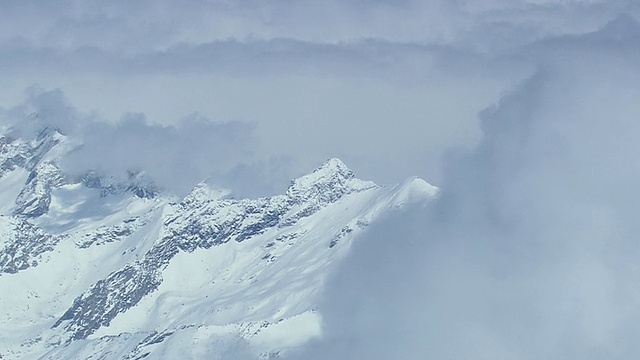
point(101, 257)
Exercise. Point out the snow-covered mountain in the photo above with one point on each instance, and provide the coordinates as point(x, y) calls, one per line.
point(97, 267)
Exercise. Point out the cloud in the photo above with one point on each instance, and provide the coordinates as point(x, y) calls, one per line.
point(531, 250)
point(176, 157)
point(308, 101)
point(369, 81)
point(154, 25)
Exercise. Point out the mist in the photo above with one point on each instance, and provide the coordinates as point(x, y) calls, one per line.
point(371, 82)
point(531, 250)
point(174, 157)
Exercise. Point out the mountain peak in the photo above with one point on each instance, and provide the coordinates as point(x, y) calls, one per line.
point(206, 191)
point(163, 252)
point(334, 165)
point(327, 183)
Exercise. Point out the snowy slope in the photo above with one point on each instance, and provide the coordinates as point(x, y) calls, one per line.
point(99, 268)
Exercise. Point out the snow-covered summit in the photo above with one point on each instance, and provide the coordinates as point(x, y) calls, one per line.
point(206, 191)
point(96, 268)
point(327, 183)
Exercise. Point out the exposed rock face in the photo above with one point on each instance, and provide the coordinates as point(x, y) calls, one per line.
point(137, 183)
point(13, 154)
point(35, 197)
point(23, 246)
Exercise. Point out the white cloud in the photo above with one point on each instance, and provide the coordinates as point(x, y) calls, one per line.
point(531, 250)
point(369, 81)
point(176, 156)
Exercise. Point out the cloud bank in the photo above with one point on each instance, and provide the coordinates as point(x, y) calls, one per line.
point(531, 250)
point(175, 157)
point(367, 81)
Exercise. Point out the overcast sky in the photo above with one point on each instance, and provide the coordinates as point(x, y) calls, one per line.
point(388, 86)
point(525, 113)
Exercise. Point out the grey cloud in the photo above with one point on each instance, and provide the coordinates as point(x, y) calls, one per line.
point(531, 250)
point(251, 58)
point(410, 75)
point(312, 100)
point(176, 157)
point(153, 25)
point(42, 108)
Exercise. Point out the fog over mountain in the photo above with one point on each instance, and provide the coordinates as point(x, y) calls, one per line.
point(531, 250)
point(523, 113)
